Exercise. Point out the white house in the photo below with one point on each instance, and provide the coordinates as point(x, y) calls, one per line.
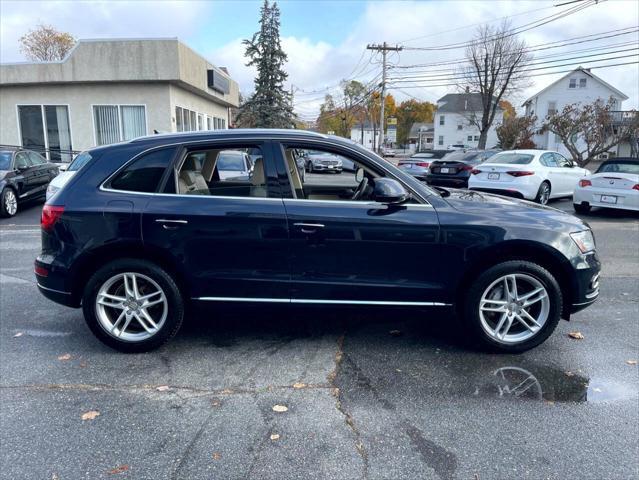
point(421, 136)
point(106, 91)
point(452, 121)
point(581, 86)
point(364, 134)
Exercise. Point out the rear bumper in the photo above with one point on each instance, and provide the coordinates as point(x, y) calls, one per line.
point(506, 193)
point(625, 200)
point(447, 180)
point(325, 168)
point(54, 284)
point(521, 189)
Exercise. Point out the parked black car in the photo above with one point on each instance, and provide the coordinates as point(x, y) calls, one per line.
point(24, 175)
point(147, 227)
point(453, 170)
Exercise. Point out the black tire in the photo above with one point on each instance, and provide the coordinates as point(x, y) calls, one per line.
point(171, 291)
point(471, 300)
point(542, 196)
point(582, 208)
point(4, 213)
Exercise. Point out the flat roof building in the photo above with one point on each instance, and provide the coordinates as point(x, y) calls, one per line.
point(107, 91)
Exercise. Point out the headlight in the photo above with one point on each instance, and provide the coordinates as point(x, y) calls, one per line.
point(51, 191)
point(584, 240)
point(339, 163)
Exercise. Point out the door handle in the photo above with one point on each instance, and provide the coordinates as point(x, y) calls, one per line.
point(168, 224)
point(309, 228)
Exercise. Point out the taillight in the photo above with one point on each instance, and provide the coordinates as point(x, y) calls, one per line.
point(467, 168)
point(636, 187)
point(41, 271)
point(50, 215)
point(519, 173)
point(475, 171)
point(585, 183)
point(422, 164)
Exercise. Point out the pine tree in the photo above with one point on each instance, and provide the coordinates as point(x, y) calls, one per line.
point(269, 106)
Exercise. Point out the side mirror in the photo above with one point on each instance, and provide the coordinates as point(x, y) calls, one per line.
point(63, 167)
point(390, 191)
point(22, 168)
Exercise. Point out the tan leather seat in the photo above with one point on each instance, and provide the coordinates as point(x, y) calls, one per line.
point(190, 180)
point(258, 179)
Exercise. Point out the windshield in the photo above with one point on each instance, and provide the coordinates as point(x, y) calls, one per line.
point(5, 160)
point(80, 161)
point(512, 158)
point(230, 162)
point(619, 167)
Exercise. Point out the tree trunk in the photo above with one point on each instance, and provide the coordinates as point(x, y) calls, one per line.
point(483, 137)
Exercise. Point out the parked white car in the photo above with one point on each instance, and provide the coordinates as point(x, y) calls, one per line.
point(458, 146)
point(537, 175)
point(615, 184)
point(66, 174)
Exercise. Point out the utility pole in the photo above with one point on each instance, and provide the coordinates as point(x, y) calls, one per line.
point(382, 48)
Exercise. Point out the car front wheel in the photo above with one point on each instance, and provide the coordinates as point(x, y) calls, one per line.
point(132, 305)
point(8, 203)
point(513, 306)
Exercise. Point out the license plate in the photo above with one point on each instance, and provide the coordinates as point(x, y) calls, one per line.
point(407, 165)
point(608, 199)
point(445, 170)
point(493, 176)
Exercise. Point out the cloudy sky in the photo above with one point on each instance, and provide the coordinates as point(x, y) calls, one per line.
point(325, 40)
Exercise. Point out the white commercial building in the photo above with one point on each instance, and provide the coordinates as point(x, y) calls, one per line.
point(106, 91)
point(453, 121)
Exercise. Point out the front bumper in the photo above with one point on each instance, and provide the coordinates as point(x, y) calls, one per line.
point(586, 287)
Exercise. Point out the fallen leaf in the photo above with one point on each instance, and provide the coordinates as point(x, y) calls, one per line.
point(395, 333)
point(275, 436)
point(227, 391)
point(65, 357)
point(215, 402)
point(631, 362)
point(299, 385)
point(550, 402)
point(83, 364)
point(120, 469)
point(19, 334)
point(280, 408)
point(216, 456)
point(569, 374)
point(398, 370)
point(163, 388)
point(90, 415)
point(576, 335)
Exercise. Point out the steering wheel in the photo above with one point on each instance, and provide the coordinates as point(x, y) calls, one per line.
point(361, 188)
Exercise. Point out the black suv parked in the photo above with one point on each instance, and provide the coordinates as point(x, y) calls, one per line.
point(149, 225)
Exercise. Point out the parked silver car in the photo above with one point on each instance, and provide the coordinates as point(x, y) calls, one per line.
point(417, 165)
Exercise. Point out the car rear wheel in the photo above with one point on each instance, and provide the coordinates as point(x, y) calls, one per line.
point(543, 194)
point(582, 208)
point(133, 305)
point(513, 307)
point(8, 203)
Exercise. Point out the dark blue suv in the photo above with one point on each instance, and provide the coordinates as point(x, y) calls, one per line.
point(148, 226)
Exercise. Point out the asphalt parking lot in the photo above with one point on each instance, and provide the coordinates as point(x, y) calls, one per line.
point(385, 394)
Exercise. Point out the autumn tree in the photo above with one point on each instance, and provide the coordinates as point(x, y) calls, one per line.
point(45, 43)
point(495, 61)
point(412, 111)
point(589, 130)
point(507, 107)
point(516, 132)
point(270, 105)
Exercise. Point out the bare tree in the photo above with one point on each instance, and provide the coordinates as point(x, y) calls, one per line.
point(45, 43)
point(589, 130)
point(495, 68)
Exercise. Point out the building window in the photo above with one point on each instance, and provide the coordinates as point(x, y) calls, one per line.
point(46, 129)
point(470, 138)
point(223, 123)
point(118, 123)
point(179, 125)
point(582, 83)
point(552, 108)
point(440, 140)
point(441, 119)
point(573, 83)
point(200, 122)
point(209, 123)
point(477, 138)
point(460, 126)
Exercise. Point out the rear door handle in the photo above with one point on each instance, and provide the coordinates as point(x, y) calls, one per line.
point(169, 224)
point(308, 228)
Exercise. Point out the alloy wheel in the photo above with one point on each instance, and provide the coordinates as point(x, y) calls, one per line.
point(131, 307)
point(10, 202)
point(514, 308)
point(544, 194)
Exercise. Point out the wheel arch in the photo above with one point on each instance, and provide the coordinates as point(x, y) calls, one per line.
point(541, 254)
point(97, 258)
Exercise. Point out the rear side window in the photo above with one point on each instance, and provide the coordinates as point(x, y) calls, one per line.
point(80, 161)
point(145, 173)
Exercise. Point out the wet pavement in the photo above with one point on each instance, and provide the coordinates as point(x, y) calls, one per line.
point(378, 394)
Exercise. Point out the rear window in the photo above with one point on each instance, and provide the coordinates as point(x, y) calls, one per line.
point(423, 155)
point(5, 160)
point(80, 161)
point(231, 162)
point(512, 158)
point(620, 167)
point(145, 173)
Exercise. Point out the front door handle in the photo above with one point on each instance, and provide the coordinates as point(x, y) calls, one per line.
point(308, 228)
point(168, 224)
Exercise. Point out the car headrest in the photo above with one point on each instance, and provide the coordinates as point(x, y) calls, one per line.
point(191, 163)
point(209, 165)
point(258, 177)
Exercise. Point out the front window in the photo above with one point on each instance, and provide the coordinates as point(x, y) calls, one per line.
point(5, 160)
point(46, 128)
point(511, 158)
point(118, 123)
